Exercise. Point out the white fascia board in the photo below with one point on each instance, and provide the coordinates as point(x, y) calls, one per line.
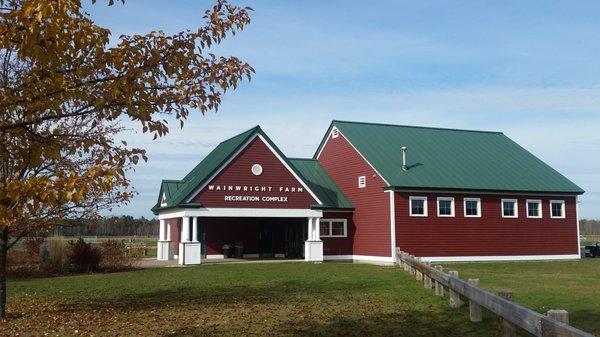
point(355, 149)
point(500, 258)
point(359, 258)
point(482, 192)
point(242, 212)
point(393, 224)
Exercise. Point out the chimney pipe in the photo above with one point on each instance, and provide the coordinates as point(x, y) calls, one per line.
point(404, 166)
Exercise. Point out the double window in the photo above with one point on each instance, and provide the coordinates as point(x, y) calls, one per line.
point(418, 206)
point(557, 209)
point(333, 228)
point(472, 207)
point(445, 206)
point(510, 208)
point(534, 208)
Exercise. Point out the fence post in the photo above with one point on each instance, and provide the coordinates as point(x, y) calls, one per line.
point(419, 275)
point(454, 296)
point(507, 328)
point(427, 279)
point(439, 288)
point(559, 315)
point(474, 308)
point(412, 269)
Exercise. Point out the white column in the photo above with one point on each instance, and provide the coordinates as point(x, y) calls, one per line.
point(313, 247)
point(310, 229)
point(195, 229)
point(185, 229)
point(169, 231)
point(161, 230)
point(317, 228)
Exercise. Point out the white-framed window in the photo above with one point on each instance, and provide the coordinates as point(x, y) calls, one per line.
point(534, 208)
point(510, 208)
point(417, 206)
point(334, 133)
point(362, 182)
point(333, 228)
point(472, 207)
point(445, 207)
point(557, 209)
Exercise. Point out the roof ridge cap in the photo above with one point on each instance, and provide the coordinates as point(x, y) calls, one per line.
point(417, 127)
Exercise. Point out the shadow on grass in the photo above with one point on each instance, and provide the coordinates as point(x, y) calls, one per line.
point(407, 323)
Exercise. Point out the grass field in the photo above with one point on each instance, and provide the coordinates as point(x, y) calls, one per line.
point(283, 299)
point(288, 299)
point(589, 239)
point(570, 285)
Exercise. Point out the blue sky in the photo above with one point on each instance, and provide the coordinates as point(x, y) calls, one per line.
point(528, 69)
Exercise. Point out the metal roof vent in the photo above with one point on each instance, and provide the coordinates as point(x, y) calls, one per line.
point(404, 166)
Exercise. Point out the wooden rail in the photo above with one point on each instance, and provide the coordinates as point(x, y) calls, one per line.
point(555, 324)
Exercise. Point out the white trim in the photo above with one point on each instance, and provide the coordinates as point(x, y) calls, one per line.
point(362, 182)
point(483, 192)
point(500, 258)
point(359, 258)
point(241, 212)
point(563, 210)
point(163, 200)
point(334, 132)
point(516, 208)
point(214, 256)
point(393, 224)
point(452, 207)
point(355, 149)
point(196, 191)
point(478, 200)
point(540, 211)
point(410, 212)
point(578, 234)
point(330, 221)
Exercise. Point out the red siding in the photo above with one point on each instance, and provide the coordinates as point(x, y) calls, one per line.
point(489, 235)
point(237, 173)
point(372, 210)
point(339, 246)
point(175, 233)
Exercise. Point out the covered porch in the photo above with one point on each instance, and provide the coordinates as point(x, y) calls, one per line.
point(199, 235)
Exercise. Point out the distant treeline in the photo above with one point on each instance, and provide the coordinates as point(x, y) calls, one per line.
point(109, 226)
point(589, 227)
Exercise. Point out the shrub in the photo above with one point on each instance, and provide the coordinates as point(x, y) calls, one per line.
point(114, 256)
point(83, 256)
point(57, 260)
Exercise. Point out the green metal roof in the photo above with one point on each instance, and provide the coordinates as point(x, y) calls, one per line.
point(452, 159)
point(319, 181)
point(177, 191)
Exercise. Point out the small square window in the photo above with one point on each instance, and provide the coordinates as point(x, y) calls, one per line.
point(534, 208)
point(337, 228)
point(510, 208)
point(362, 182)
point(324, 228)
point(557, 209)
point(418, 206)
point(472, 207)
point(445, 207)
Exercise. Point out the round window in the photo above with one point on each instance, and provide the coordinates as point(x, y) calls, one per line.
point(257, 169)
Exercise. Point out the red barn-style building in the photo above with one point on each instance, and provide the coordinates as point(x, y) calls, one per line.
point(441, 194)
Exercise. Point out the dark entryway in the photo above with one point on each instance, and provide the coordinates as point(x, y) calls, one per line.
point(294, 240)
point(265, 240)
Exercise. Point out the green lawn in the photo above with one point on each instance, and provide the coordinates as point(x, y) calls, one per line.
point(282, 299)
point(570, 285)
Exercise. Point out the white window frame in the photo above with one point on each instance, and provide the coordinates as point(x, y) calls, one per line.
point(478, 200)
point(563, 210)
point(452, 212)
point(335, 133)
point(410, 200)
point(516, 201)
point(540, 211)
point(330, 221)
point(362, 182)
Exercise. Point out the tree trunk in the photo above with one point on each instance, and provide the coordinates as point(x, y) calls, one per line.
point(3, 251)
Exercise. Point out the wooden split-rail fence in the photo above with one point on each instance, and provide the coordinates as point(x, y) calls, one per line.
point(512, 315)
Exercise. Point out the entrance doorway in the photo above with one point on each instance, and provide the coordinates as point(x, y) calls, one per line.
point(294, 240)
point(265, 240)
